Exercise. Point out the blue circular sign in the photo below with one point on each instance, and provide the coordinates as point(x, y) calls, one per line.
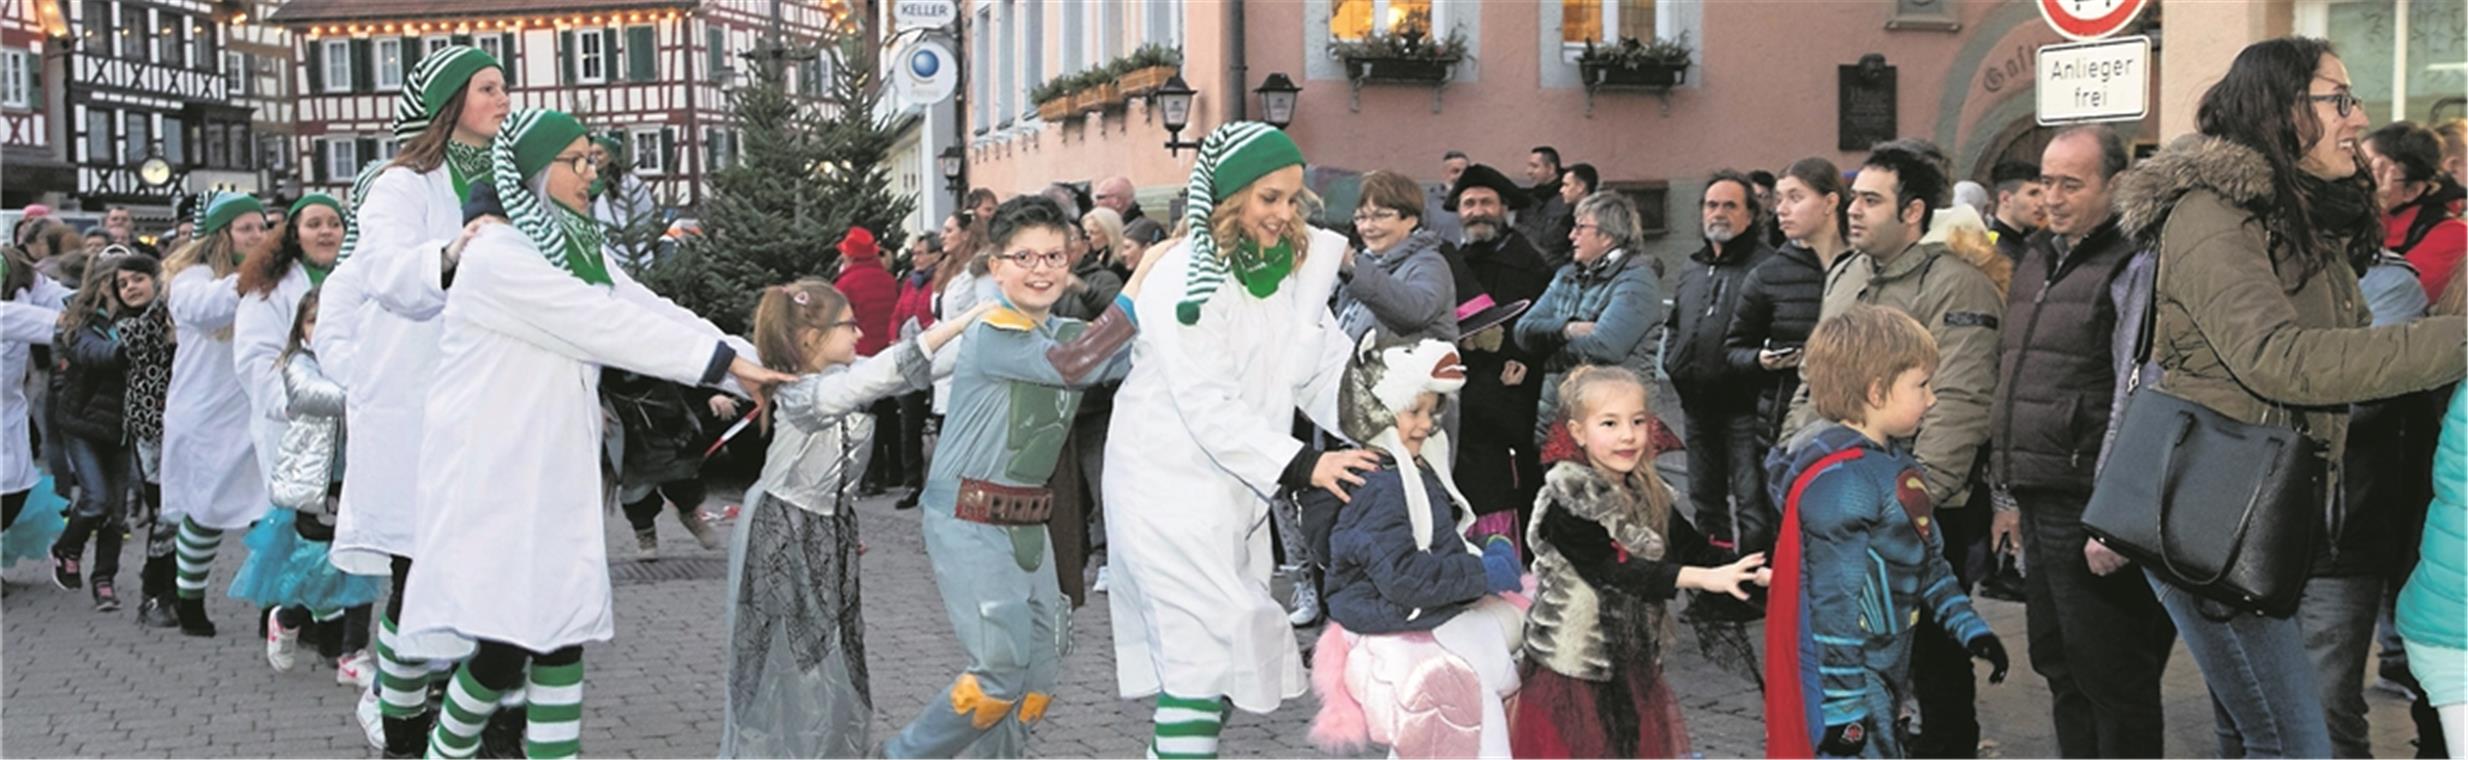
point(924, 63)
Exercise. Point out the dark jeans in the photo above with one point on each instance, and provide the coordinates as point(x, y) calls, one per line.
point(2336, 615)
point(102, 471)
point(1726, 470)
point(914, 408)
point(888, 468)
point(2102, 643)
point(1941, 678)
point(644, 513)
point(2263, 694)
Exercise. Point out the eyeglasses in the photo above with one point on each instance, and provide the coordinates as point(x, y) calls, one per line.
point(1376, 214)
point(580, 162)
point(2344, 100)
point(845, 323)
point(1035, 259)
point(1587, 226)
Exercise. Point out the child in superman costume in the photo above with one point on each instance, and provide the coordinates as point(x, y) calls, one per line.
point(1857, 555)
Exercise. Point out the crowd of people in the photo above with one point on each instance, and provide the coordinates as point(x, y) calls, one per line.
point(1437, 421)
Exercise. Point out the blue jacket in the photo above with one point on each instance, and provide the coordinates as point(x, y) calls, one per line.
point(1621, 297)
point(1381, 579)
point(2433, 607)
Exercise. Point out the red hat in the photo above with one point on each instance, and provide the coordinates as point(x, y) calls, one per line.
point(859, 244)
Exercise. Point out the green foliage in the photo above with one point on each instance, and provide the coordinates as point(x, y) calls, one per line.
point(1099, 75)
point(812, 169)
point(1632, 53)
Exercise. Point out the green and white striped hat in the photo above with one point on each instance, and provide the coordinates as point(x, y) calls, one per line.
point(1231, 158)
point(527, 144)
point(433, 81)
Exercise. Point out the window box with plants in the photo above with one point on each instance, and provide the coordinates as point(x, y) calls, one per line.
point(1661, 63)
point(1146, 69)
point(1408, 56)
point(1053, 99)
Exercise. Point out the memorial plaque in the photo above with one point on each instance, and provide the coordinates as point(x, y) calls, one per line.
point(1865, 106)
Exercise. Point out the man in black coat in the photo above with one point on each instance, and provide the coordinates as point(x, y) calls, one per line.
point(2097, 634)
point(1549, 219)
point(1498, 467)
point(2021, 208)
point(1725, 461)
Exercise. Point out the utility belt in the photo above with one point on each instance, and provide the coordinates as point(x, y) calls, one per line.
point(997, 504)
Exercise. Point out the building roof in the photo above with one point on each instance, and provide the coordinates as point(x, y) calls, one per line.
point(317, 11)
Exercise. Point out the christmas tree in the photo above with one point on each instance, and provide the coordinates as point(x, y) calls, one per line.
point(813, 168)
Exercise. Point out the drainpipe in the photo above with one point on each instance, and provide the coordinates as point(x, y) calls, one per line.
point(1237, 63)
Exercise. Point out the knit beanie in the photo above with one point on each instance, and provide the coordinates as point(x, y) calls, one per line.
point(526, 145)
point(220, 210)
point(433, 81)
point(1231, 158)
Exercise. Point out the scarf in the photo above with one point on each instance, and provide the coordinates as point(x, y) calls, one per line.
point(1231, 158)
point(527, 145)
point(432, 82)
point(466, 165)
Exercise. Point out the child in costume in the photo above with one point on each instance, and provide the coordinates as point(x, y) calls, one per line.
point(797, 684)
point(1018, 378)
point(288, 571)
point(1857, 555)
point(1419, 651)
point(88, 393)
point(1609, 553)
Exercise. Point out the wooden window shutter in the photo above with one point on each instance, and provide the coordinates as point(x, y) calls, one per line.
point(668, 150)
point(642, 53)
point(462, 39)
point(363, 68)
point(566, 52)
point(412, 52)
point(317, 162)
point(610, 56)
point(362, 154)
point(316, 67)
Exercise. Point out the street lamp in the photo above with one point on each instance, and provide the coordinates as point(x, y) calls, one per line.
point(951, 161)
point(1174, 104)
point(1277, 94)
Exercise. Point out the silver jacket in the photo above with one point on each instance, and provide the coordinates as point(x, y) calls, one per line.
point(823, 437)
point(312, 448)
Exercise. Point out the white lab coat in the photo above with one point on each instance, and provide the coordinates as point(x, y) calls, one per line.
point(27, 320)
point(511, 545)
point(377, 333)
point(259, 330)
point(210, 471)
point(1201, 431)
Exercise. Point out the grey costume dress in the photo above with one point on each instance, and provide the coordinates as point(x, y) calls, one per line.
point(797, 683)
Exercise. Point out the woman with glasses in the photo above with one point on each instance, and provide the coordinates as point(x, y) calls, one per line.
point(1397, 280)
point(1599, 308)
point(2256, 221)
point(513, 551)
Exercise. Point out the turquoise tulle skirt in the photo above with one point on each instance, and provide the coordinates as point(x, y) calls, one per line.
point(38, 525)
point(284, 571)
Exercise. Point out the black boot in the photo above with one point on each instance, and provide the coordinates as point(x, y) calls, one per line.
point(192, 614)
point(155, 581)
point(503, 736)
point(408, 737)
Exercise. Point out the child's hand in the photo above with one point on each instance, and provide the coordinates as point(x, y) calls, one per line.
point(723, 405)
point(1500, 571)
point(1728, 578)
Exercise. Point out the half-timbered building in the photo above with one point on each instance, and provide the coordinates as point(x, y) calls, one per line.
point(258, 66)
point(655, 71)
point(32, 37)
point(142, 81)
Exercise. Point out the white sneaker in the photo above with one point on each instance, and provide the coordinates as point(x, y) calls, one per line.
point(647, 545)
point(703, 534)
point(1102, 577)
point(1306, 604)
point(372, 720)
point(355, 669)
point(282, 644)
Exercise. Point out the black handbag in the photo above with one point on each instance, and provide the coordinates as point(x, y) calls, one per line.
point(2224, 509)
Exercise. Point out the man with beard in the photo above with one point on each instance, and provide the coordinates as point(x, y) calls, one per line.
point(1725, 461)
point(1498, 467)
point(1548, 223)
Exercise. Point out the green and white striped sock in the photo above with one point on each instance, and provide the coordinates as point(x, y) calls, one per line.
point(402, 683)
point(556, 728)
point(1186, 727)
point(197, 546)
point(468, 705)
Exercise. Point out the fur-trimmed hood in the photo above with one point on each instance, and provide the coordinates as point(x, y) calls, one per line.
point(2145, 193)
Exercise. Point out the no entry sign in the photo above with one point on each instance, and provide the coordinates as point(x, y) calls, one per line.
point(2088, 20)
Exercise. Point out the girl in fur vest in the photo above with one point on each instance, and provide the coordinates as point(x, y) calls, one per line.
point(1609, 553)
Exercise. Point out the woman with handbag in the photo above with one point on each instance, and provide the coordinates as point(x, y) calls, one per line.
point(2258, 328)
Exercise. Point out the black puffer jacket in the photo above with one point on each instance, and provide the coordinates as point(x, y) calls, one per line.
point(1779, 303)
point(90, 387)
point(1701, 308)
point(2055, 374)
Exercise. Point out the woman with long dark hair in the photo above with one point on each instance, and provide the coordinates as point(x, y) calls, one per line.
point(2420, 203)
point(2259, 318)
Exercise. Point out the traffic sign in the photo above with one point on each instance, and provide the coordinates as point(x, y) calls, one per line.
point(923, 14)
point(926, 71)
point(2108, 80)
point(2086, 20)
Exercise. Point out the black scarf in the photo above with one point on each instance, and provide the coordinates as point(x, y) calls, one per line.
point(2347, 226)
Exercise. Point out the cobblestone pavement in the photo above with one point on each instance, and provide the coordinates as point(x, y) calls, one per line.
point(81, 683)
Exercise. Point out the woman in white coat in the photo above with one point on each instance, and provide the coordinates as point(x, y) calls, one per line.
point(29, 308)
point(510, 541)
point(210, 474)
point(1202, 438)
point(377, 334)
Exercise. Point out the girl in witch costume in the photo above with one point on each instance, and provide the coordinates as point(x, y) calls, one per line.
point(1421, 646)
point(1857, 555)
point(1202, 440)
point(378, 335)
point(1017, 380)
point(512, 556)
point(287, 571)
point(210, 473)
point(1609, 553)
point(797, 684)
